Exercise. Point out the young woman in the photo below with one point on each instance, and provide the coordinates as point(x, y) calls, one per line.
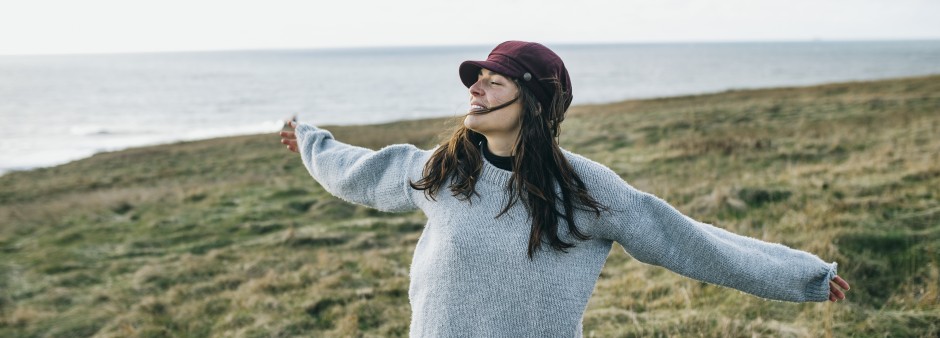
point(518, 228)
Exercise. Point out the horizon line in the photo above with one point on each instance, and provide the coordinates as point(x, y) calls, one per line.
point(418, 46)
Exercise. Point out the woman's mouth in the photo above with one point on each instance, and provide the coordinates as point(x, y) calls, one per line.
point(475, 108)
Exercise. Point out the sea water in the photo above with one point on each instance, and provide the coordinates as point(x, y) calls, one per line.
point(58, 108)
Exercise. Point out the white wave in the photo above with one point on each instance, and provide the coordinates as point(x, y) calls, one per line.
point(88, 130)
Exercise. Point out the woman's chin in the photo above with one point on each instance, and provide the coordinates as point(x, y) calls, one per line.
point(472, 122)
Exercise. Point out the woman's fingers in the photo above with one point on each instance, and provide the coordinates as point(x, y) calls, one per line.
point(834, 293)
point(289, 137)
point(290, 140)
point(292, 123)
point(842, 283)
point(292, 146)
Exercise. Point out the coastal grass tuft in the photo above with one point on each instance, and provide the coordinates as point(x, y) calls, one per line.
point(231, 237)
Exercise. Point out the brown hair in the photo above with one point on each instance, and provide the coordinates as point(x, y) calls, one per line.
point(538, 165)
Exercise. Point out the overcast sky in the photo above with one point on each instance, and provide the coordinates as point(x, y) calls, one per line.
point(91, 26)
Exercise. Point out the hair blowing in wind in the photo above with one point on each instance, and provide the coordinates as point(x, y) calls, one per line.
point(538, 166)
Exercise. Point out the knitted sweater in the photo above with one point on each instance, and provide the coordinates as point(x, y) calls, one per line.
point(471, 276)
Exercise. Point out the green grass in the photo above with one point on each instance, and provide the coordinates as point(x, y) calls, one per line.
point(231, 237)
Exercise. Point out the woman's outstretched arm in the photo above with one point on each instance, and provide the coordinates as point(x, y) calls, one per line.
point(654, 232)
point(376, 179)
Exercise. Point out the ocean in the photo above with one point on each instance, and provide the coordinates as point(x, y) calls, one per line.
point(59, 108)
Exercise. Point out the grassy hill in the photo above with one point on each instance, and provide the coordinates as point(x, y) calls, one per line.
point(231, 237)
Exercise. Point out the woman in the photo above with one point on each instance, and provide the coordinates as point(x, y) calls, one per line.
point(518, 229)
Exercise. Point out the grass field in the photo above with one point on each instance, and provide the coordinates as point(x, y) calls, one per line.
point(231, 237)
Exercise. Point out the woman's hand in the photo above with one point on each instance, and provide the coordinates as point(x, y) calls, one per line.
point(834, 293)
point(288, 137)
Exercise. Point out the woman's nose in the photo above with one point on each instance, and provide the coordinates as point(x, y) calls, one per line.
point(475, 89)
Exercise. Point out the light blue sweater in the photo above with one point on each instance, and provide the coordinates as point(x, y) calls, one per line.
point(470, 275)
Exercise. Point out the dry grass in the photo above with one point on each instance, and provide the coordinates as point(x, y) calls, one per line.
point(230, 238)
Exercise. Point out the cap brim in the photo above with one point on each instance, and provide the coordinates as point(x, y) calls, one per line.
point(470, 70)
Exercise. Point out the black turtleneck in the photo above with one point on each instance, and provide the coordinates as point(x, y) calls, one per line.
point(502, 162)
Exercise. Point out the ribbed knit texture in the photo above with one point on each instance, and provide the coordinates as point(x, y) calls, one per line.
point(471, 277)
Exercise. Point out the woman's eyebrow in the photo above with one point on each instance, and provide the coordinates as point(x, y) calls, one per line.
point(489, 73)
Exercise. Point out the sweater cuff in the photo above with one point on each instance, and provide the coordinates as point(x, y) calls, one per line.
point(303, 128)
point(824, 291)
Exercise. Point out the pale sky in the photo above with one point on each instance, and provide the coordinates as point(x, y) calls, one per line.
point(105, 26)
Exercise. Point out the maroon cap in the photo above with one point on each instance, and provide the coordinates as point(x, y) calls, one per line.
point(533, 64)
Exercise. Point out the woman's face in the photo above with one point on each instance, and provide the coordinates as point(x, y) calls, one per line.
point(491, 90)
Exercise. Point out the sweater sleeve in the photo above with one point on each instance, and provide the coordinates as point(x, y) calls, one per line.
point(376, 179)
point(654, 232)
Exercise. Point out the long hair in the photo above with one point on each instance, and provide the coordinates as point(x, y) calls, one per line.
point(539, 168)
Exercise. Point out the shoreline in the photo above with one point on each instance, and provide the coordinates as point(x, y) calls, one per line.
point(573, 110)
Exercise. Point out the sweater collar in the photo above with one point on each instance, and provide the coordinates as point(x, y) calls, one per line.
point(492, 174)
point(501, 162)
